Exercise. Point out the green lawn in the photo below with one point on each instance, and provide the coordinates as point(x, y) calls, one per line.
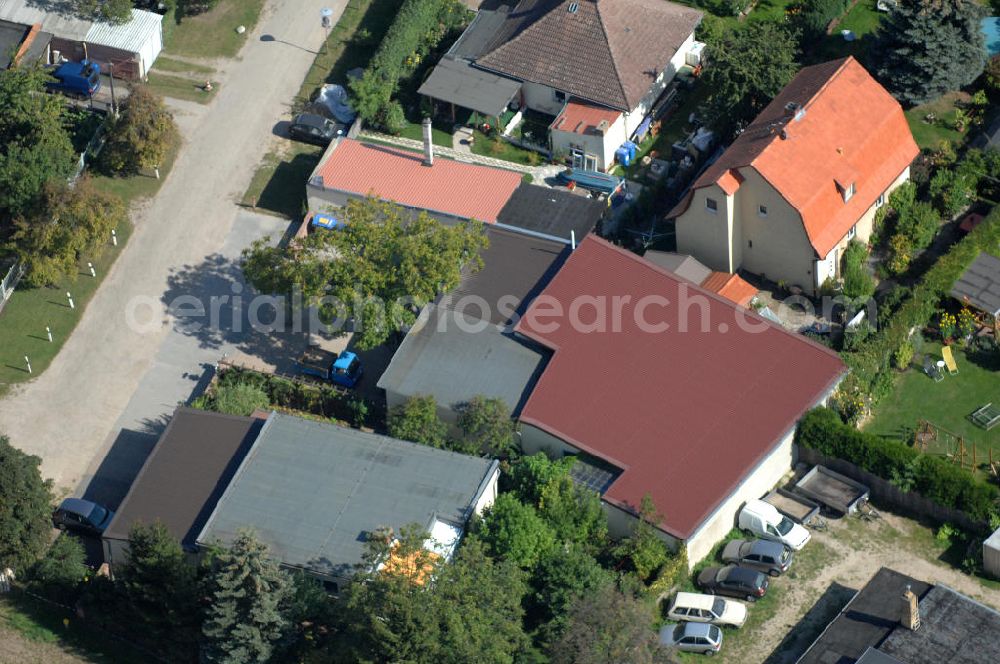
point(136, 186)
point(930, 135)
point(501, 149)
point(213, 34)
point(168, 64)
point(43, 623)
point(946, 404)
point(440, 137)
point(279, 184)
point(30, 310)
point(862, 20)
point(181, 87)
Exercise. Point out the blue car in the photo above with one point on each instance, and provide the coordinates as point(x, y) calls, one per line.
point(76, 79)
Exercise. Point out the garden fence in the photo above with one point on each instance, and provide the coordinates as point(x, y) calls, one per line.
point(885, 493)
point(9, 282)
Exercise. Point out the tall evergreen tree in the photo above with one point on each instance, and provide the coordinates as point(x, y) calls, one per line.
point(24, 508)
point(159, 585)
point(926, 48)
point(250, 596)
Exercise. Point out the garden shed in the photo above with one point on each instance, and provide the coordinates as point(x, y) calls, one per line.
point(979, 286)
point(991, 554)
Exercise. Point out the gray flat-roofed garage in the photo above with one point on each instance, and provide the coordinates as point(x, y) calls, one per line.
point(453, 357)
point(314, 491)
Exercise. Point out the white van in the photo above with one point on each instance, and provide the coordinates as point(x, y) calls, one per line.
point(696, 607)
point(764, 520)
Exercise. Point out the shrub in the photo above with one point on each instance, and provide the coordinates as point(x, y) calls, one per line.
point(900, 253)
point(919, 222)
point(953, 190)
point(858, 283)
point(993, 74)
point(903, 355)
point(142, 134)
point(240, 399)
point(59, 573)
point(816, 16)
point(417, 421)
point(932, 477)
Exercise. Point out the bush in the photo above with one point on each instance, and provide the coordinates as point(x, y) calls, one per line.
point(239, 399)
point(903, 355)
point(858, 283)
point(142, 134)
point(952, 190)
point(933, 478)
point(816, 16)
point(59, 573)
point(900, 253)
point(993, 74)
point(417, 421)
point(919, 222)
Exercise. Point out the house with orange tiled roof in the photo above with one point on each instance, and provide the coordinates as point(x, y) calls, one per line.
point(803, 180)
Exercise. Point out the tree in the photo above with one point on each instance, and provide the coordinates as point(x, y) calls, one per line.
point(417, 421)
point(25, 509)
point(250, 596)
point(926, 48)
point(71, 222)
point(159, 586)
point(644, 551)
point(561, 579)
point(488, 427)
point(142, 134)
point(920, 222)
point(515, 531)
point(117, 12)
point(478, 604)
point(35, 146)
point(60, 571)
point(607, 626)
point(750, 65)
point(397, 264)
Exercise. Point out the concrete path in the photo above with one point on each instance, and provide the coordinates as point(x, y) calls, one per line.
point(73, 414)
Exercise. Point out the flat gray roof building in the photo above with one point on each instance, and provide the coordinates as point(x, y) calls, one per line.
point(314, 491)
point(979, 285)
point(454, 356)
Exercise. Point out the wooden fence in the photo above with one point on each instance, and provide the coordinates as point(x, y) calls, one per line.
point(885, 493)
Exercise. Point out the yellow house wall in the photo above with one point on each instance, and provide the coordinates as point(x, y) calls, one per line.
point(707, 235)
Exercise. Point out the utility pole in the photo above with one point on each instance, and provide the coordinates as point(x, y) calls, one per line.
point(111, 75)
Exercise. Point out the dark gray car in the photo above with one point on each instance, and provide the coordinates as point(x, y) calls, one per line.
point(82, 515)
point(748, 584)
point(315, 129)
point(766, 556)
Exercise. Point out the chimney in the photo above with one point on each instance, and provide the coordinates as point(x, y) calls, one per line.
point(911, 615)
point(428, 144)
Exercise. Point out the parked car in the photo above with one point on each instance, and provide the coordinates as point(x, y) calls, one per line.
point(315, 129)
point(734, 581)
point(343, 369)
point(82, 515)
point(764, 520)
point(772, 558)
point(76, 79)
point(692, 637)
point(707, 608)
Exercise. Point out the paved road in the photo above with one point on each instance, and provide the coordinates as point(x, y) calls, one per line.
point(110, 378)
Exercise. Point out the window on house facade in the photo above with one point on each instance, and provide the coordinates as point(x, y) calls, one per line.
point(711, 204)
point(750, 244)
point(851, 233)
point(762, 210)
point(559, 95)
point(880, 201)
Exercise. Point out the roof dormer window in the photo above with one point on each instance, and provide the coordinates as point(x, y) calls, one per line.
point(846, 190)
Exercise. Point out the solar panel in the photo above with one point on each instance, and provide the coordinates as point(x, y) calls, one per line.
point(593, 474)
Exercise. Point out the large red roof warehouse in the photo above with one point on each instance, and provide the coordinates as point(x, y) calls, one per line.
point(686, 415)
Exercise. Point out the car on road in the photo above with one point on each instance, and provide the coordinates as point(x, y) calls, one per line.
point(76, 79)
point(692, 637)
point(735, 581)
point(765, 556)
point(82, 515)
point(316, 129)
point(697, 607)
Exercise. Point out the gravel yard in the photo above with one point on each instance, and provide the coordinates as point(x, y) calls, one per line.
point(825, 576)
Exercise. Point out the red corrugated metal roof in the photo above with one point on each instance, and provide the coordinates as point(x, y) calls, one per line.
point(469, 191)
point(686, 414)
point(582, 118)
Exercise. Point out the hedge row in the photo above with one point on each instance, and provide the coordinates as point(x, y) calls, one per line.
point(418, 28)
point(930, 476)
point(870, 364)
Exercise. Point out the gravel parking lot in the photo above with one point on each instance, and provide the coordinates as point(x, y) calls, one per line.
point(825, 575)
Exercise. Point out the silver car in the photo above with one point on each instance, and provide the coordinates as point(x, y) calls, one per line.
point(692, 637)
